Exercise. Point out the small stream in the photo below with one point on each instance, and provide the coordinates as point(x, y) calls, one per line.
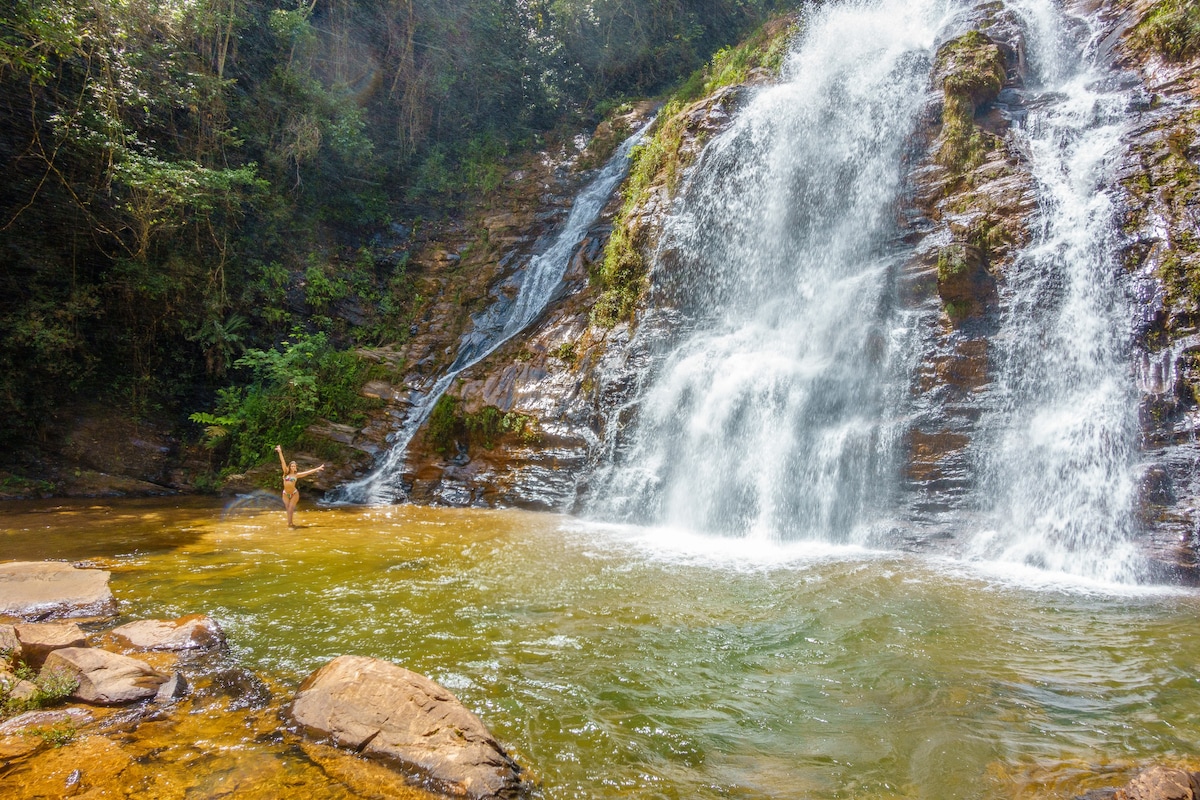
point(622, 661)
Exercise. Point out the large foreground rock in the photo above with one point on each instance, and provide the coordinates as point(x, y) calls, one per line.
point(105, 678)
point(387, 712)
point(38, 590)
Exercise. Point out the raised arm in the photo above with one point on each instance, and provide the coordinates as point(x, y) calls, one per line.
point(282, 463)
point(310, 471)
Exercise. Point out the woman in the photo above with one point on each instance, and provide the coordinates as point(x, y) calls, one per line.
point(291, 493)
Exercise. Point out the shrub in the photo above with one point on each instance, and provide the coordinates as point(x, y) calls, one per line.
point(1170, 28)
point(292, 386)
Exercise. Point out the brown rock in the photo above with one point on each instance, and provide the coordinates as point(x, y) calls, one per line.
point(1161, 783)
point(43, 589)
point(105, 678)
point(193, 632)
point(13, 687)
point(39, 639)
point(928, 449)
point(45, 719)
point(390, 713)
point(10, 647)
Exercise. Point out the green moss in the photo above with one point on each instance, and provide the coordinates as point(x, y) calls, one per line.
point(973, 72)
point(1171, 28)
point(442, 425)
point(566, 352)
point(449, 426)
point(952, 262)
point(1169, 183)
point(660, 161)
point(972, 66)
point(957, 309)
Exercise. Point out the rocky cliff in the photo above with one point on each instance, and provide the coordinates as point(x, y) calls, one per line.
point(566, 385)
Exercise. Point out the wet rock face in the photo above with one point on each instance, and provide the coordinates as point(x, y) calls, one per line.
point(973, 197)
point(565, 373)
point(386, 712)
point(1160, 182)
point(38, 590)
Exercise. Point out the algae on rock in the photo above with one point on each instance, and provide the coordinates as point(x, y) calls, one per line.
point(971, 71)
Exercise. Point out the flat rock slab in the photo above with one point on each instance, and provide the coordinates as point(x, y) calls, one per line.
point(193, 632)
point(390, 713)
point(37, 590)
point(39, 639)
point(45, 719)
point(105, 678)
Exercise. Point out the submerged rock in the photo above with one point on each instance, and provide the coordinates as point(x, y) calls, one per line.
point(175, 688)
point(45, 719)
point(37, 590)
point(1154, 783)
point(105, 678)
point(193, 632)
point(387, 712)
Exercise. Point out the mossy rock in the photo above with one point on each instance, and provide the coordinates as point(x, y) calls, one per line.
point(971, 71)
point(972, 67)
point(1170, 28)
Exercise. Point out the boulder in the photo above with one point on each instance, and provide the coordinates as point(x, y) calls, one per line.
point(10, 647)
point(393, 714)
point(39, 639)
point(12, 687)
point(193, 632)
point(1161, 783)
point(175, 688)
point(105, 678)
point(38, 590)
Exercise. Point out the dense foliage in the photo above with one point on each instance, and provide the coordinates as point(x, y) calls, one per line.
point(181, 180)
point(1170, 28)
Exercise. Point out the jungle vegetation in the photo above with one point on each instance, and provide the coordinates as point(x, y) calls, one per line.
point(189, 187)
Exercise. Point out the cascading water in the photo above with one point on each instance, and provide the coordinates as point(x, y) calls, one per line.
point(537, 285)
point(778, 414)
point(1057, 449)
point(777, 410)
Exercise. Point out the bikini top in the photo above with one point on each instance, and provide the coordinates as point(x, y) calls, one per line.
point(290, 478)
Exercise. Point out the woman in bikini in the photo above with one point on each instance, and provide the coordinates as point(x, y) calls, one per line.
point(291, 493)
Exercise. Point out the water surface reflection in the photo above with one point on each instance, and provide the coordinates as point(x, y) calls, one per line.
point(632, 663)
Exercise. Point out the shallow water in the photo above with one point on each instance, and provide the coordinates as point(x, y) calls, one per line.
point(639, 663)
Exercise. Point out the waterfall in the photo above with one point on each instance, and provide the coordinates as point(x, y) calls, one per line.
point(776, 411)
point(783, 363)
point(537, 283)
point(1059, 442)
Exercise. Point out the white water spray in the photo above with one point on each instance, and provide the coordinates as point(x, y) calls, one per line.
point(1057, 451)
point(775, 415)
point(778, 410)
